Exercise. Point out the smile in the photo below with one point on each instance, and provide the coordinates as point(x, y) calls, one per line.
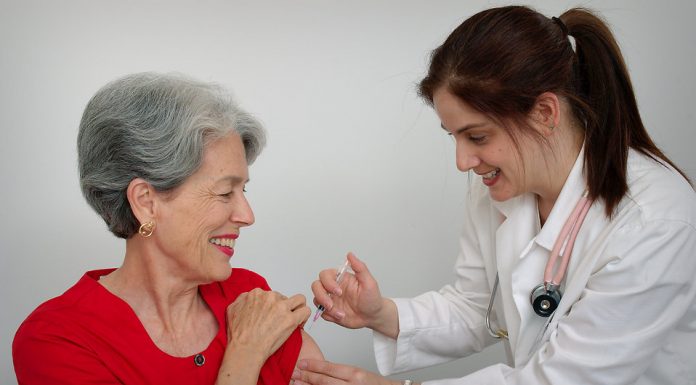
point(225, 242)
point(492, 174)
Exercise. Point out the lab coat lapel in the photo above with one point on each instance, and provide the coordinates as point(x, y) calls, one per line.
point(513, 239)
point(530, 271)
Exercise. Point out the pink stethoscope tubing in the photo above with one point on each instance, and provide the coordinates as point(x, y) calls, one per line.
point(568, 233)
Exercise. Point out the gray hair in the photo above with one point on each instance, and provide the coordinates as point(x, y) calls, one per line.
point(156, 127)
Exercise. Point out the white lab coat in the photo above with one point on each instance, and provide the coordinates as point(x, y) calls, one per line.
point(628, 312)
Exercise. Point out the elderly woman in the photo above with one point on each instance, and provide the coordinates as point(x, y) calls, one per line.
point(163, 159)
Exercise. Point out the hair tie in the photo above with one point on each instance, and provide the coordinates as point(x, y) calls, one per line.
point(561, 24)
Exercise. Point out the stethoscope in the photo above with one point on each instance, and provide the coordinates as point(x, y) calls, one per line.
point(546, 296)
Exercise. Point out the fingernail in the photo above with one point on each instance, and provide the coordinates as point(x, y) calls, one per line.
point(301, 365)
point(340, 314)
point(338, 291)
point(295, 374)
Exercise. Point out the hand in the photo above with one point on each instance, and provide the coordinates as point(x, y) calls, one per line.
point(261, 321)
point(311, 372)
point(356, 303)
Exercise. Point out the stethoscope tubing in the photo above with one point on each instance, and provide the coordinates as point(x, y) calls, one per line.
point(501, 333)
point(569, 233)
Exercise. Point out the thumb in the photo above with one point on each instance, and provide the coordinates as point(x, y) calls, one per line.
point(362, 273)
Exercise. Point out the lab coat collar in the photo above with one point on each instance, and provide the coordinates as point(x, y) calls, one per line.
point(511, 206)
point(570, 194)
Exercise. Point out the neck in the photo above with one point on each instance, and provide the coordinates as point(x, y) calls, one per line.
point(565, 151)
point(147, 285)
point(169, 307)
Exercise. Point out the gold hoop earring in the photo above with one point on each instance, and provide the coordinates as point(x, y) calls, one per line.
point(146, 229)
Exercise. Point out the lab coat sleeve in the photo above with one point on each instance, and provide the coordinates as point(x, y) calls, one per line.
point(629, 310)
point(429, 323)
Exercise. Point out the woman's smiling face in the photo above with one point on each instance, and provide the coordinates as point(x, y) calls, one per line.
point(200, 220)
point(485, 147)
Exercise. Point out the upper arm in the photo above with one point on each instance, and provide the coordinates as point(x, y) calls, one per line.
point(309, 349)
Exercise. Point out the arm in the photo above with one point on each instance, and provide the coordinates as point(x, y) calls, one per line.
point(310, 349)
point(430, 322)
point(630, 308)
point(631, 305)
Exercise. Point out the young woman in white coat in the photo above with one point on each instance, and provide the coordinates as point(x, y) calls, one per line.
point(543, 111)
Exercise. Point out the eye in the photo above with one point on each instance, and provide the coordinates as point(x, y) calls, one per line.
point(244, 189)
point(478, 139)
point(226, 195)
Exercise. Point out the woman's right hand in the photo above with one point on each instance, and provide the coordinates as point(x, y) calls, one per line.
point(261, 321)
point(357, 301)
point(258, 323)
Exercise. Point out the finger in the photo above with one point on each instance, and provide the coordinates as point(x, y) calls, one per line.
point(326, 368)
point(328, 280)
point(328, 317)
point(301, 315)
point(296, 301)
point(316, 378)
point(242, 297)
point(321, 296)
point(362, 273)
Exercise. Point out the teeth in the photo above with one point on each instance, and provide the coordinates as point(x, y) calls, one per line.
point(491, 174)
point(225, 242)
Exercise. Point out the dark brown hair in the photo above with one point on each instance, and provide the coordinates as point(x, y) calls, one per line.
point(501, 59)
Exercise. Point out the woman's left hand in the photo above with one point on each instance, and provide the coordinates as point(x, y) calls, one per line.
point(314, 372)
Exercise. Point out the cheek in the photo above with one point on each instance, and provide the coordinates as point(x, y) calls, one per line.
point(187, 222)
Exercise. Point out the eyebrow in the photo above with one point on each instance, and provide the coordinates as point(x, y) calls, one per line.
point(233, 179)
point(462, 129)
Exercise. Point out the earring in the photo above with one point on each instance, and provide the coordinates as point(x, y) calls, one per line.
point(146, 229)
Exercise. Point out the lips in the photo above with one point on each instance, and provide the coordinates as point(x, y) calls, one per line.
point(225, 243)
point(491, 177)
point(492, 174)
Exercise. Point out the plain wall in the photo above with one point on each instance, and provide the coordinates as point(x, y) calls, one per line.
point(355, 161)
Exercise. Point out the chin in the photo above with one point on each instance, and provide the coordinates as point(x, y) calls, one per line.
point(220, 273)
point(499, 197)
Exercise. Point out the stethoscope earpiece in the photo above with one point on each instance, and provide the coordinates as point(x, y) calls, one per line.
point(545, 302)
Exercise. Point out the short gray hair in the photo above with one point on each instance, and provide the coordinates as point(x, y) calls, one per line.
point(153, 126)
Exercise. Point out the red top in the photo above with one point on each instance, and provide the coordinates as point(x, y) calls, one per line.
point(90, 336)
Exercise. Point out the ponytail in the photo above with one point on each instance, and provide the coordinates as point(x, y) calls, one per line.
point(606, 103)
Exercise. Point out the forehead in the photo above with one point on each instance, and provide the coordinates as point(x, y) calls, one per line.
point(224, 157)
point(453, 112)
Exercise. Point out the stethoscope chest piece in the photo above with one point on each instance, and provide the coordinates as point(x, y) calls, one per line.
point(544, 301)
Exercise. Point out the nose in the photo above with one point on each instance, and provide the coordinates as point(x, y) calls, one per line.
point(242, 215)
point(466, 157)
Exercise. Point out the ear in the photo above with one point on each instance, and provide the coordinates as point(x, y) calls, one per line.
point(546, 113)
point(142, 198)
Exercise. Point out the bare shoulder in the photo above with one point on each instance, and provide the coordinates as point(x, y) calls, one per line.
point(309, 349)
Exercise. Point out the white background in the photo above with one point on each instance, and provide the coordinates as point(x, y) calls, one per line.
point(355, 160)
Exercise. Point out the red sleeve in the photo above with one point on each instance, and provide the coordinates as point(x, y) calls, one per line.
point(278, 368)
point(280, 365)
point(44, 353)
